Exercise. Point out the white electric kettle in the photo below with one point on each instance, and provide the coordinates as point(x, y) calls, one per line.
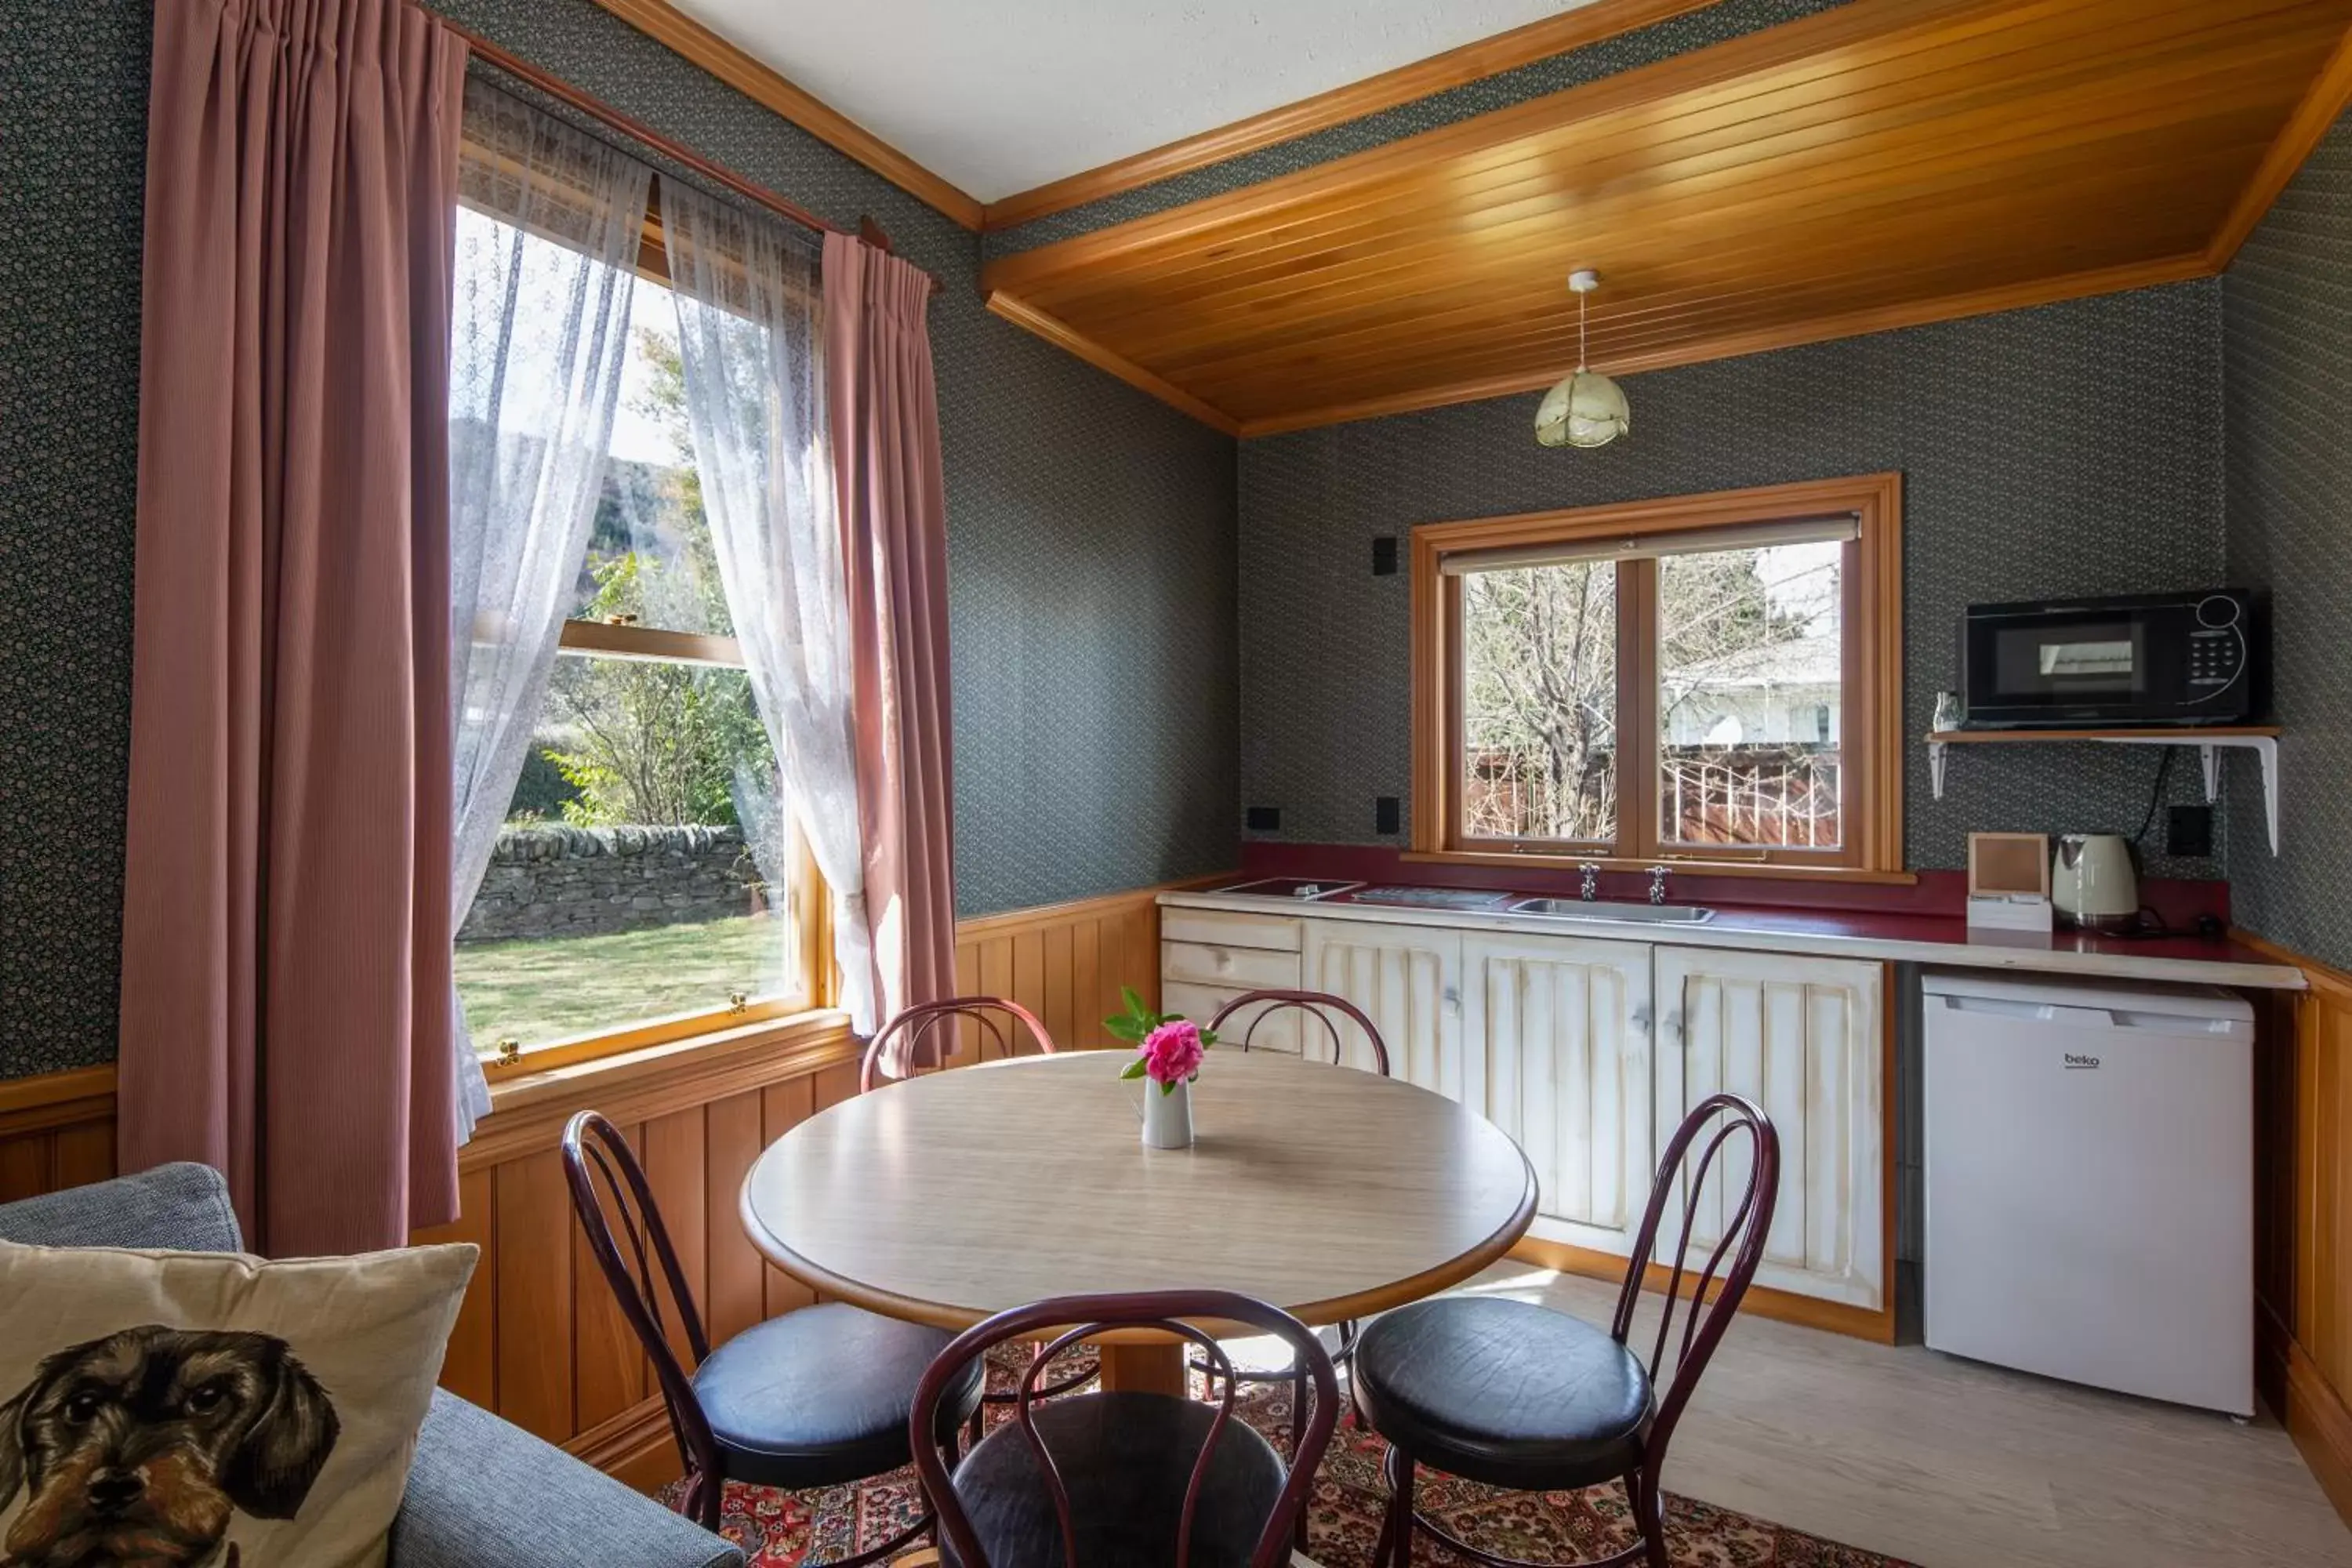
point(2092, 883)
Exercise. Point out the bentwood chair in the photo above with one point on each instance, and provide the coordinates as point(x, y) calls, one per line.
point(1512, 1395)
point(1127, 1479)
point(921, 1038)
point(817, 1397)
point(1320, 1017)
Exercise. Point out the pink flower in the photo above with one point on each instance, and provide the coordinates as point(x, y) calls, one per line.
point(1171, 1053)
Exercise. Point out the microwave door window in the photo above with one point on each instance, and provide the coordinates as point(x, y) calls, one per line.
point(2070, 663)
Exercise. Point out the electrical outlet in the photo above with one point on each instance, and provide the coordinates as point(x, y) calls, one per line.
point(1384, 555)
point(2188, 831)
point(1263, 818)
point(1387, 813)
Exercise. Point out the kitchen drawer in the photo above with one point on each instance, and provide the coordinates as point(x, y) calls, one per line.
point(1200, 1004)
point(1223, 928)
point(1247, 968)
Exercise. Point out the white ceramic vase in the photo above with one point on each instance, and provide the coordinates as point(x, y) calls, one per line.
point(1167, 1117)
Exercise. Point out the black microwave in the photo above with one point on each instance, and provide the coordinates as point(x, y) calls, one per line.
point(2148, 658)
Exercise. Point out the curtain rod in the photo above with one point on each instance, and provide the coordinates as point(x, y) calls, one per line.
point(555, 87)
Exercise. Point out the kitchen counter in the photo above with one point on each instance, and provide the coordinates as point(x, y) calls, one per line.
point(1945, 941)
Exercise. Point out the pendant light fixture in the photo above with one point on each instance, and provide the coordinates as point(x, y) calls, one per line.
point(1585, 409)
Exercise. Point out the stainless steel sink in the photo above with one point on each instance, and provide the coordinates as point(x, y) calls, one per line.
point(1602, 910)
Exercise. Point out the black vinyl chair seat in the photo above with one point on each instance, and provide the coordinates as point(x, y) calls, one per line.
point(1504, 1392)
point(822, 1396)
point(1125, 1459)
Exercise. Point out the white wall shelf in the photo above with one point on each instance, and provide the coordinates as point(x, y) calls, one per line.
point(2259, 739)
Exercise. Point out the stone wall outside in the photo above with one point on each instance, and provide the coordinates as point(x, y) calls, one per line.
point(579, 881)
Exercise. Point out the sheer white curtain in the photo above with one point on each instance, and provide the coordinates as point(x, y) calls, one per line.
point(751, 334)
point(546, 243)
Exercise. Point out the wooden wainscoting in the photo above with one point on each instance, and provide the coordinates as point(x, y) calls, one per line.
point(2303, 1210)
point(56, 1131)
point(540, 1339)
point(1066, 963)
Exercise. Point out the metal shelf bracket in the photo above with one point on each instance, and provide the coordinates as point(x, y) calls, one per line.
point(2209, 753)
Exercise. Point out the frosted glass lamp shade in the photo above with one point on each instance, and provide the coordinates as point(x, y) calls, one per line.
point(1585, 409)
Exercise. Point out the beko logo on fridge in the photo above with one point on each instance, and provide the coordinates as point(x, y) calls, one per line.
point(2080, 1064)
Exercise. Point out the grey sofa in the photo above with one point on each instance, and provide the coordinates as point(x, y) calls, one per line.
point(482, 1493)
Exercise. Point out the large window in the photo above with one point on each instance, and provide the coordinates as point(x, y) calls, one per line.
point(1711, 679)
point(648, 882)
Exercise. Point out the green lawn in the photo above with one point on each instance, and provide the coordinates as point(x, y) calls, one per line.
point(548, 989)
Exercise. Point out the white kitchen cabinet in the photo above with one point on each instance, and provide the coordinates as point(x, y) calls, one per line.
point(1408, 981)
point(1805, 1038)
point(1209, 957)
point(1557, 1035)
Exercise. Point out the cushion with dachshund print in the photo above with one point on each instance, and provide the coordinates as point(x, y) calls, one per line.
point(208, 1410)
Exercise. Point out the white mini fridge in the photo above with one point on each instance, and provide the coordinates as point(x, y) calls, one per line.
point(2090, 1182)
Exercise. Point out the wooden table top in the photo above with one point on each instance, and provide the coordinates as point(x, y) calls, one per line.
point(1329, 1191)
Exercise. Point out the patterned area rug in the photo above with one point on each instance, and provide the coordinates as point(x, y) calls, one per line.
point(786, 1530)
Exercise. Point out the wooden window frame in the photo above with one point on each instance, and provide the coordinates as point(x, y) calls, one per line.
point(811, 906)
point(1871, 695)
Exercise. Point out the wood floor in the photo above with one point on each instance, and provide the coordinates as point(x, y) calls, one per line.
point(1953, 1464)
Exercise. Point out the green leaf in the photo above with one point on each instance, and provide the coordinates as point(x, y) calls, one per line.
point(1134, 1068)
point(1126, 1028)
point(1134, 1001)
point(1170, 1087)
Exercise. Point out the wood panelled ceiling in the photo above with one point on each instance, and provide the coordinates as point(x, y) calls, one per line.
point(1884, 164)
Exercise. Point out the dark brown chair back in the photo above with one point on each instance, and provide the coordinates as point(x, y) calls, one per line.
point(1703, 1320)
point(911, 1043)
point(1318, 1005)
point(609, 1191)
point(1169, 1311)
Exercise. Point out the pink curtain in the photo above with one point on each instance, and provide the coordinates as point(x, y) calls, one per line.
point(883, 404)
point(286, 1012)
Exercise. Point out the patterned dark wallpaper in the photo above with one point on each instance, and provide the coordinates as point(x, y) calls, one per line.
point(73, 160)
point(2068, 450)
point(1091, 530)
point(1627, 51)
point(2287, 407)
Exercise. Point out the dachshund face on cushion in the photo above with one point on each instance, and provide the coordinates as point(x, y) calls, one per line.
point(134, 1449)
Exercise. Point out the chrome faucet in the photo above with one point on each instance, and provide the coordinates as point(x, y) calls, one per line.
point(1657, 884)
point(1590, 888)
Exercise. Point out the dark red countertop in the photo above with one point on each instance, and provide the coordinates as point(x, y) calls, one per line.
point(1927, 911)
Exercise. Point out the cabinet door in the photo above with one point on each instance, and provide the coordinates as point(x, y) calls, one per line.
point(1557, 1037)
point(1408, 981)
point(1805, 1038)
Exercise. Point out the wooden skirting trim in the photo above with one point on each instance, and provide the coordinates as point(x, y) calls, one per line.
point(1063, 337)
point(1781, 1306)
point(1471, 62)
point(56, 1100)
point(2313, 1412)
point(633, 1447)
point(665, 24)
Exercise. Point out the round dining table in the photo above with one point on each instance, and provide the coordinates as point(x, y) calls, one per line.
point(1329, 1192)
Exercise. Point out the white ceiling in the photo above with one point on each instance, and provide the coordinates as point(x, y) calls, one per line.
point(1002, 95)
